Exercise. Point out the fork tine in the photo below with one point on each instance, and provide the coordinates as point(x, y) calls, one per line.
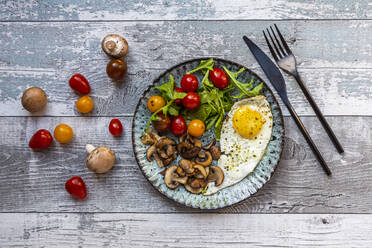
point(283, 41)
point(272, 40)
point(277, 41)
point(270, 47)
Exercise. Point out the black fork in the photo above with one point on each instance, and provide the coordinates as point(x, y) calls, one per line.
point(287, 62)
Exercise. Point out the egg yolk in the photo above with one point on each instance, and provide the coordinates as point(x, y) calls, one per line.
point(247, 122)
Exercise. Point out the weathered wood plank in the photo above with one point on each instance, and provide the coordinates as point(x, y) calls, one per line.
point(34, 181)
point(183, 10)
point(337, 70)
point(332, 88)
point(185, 230)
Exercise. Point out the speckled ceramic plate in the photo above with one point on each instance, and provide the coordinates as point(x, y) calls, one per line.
point(228, 196)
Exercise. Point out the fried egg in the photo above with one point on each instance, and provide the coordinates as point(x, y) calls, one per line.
point(245, 133)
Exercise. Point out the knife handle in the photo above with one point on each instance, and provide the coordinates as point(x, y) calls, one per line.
point(319, 114)
point(304, 132)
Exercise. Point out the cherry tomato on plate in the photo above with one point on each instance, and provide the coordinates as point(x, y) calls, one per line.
point(178, 125)
point(155, 103)
point(79, 84)
point(191, 100)
point(115, 127)
point(219, 78)
point(189, 83)
point(75, 186)
point(63, 133)
point(178, 101)
point(162, 123)
point(41, 139)
point(85, 104)
point(196, 128)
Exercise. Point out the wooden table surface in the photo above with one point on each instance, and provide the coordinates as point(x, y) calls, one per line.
point(44, 42)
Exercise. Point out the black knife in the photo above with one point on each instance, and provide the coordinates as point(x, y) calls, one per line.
point(275, 76)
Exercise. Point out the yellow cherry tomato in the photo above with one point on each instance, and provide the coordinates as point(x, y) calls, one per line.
point(196, 128)
point(63, 133)
point(85, 104)
point(155, 103)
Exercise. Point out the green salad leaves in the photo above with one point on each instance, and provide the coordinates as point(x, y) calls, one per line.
point(204, 64)
point(246, 89)
point(214, 102)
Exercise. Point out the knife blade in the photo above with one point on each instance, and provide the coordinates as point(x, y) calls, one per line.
point(276, 78)
point(271, 70)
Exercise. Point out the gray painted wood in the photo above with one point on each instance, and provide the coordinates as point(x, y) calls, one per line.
point(180, 10)
point(34, 181)
point(185, 230)
point(334, 60)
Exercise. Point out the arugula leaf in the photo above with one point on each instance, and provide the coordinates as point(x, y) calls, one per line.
point(202, 113)
point(167, 89)
point(204, 64)
point(208, 97)
point(228, 88)
point(217, 131)
point(244, 88)
point(178, 95)
point(211, 121)
point(205, 80)
point(172, 110)
point(204, 97)
point(227, 105)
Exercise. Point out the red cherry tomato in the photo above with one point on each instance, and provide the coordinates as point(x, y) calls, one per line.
point(178, 125)
point(115, 127)
point(41, 139)
point(178, 101)
point(79, 84)
point(191, 100)
point(219, 78)
point(75, 186)
point(189, 83)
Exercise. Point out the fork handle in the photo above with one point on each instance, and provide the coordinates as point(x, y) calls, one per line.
point(304, 132)
point(319, 114)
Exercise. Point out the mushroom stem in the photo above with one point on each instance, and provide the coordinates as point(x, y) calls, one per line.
point(89, 148)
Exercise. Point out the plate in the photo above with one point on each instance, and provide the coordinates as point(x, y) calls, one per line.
point(225, 197)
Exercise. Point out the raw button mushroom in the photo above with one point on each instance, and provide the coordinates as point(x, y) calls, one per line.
point(115, 46)
point(34, 99)
point(100, 159)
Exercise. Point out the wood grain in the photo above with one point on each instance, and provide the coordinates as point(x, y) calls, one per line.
point(337, 70)
point(45, 42)
point(34, 181)
point(183, 10)
point(185, 230)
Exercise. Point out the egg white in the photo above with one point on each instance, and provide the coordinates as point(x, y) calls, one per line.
point(240, 155)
